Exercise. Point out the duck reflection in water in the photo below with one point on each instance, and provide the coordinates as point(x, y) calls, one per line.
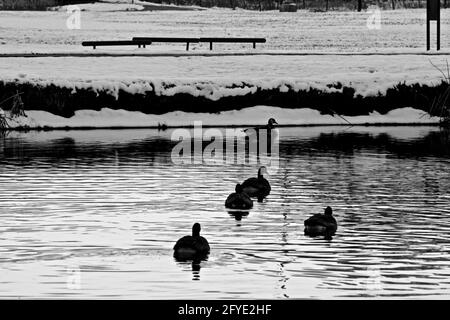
point(193, 265)
point(196, 270)
point(238, 214)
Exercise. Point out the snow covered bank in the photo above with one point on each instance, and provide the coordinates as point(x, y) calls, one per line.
point(107, 118)
point(345, 85)
point(207, 75)
point(209, 97)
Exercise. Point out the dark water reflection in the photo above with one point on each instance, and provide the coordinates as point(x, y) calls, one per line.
point(96, 214)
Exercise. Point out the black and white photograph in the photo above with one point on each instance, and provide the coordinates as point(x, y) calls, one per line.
point(224, 150)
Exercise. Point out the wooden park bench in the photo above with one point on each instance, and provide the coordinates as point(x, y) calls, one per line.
point(233, 40)
point(95, 44)
point(143, 41)
point(168, 39)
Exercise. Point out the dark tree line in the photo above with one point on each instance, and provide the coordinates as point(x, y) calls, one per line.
point(36, 4)
point(358, 5)
point(317, 5)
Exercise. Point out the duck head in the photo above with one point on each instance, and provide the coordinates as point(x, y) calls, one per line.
point(262, 170)
point(328, 211)
point(239, 188)
point(271, 123)
point(196, 230)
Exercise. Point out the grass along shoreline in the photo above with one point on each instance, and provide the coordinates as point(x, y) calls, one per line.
point(335, 99)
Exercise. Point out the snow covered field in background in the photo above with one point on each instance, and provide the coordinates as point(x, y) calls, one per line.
point(27, 31)
point(123, 5)
point(102, 7)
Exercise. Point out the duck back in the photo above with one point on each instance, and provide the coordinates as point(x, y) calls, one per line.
point(257, 187)
point(319, 224)
point(196, 245)
point(239, 201)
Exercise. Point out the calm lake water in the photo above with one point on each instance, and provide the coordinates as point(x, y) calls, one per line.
point(95, 214)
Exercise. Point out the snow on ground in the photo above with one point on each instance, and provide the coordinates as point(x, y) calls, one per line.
point(121, 5)
point(157, 6)
point(101, 7)
point(214, 77)
point(341, 31)
point(107, 118)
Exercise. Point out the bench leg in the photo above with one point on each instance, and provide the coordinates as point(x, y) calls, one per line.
point(94, 47)
point(210, 46)
point(139, 45)
point(187, 46)
point(254, 45)
point(143, 45)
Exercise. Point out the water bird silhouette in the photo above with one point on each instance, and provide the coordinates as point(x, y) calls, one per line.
point(257, 187)
point(193, 247)
point(321, 224)
point(239, 199)
point(269, 126)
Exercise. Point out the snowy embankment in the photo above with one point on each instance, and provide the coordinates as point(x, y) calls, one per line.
point(107, 118)
point(147, 91)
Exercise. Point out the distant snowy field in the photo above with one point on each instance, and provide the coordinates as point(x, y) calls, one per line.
point(338, 31)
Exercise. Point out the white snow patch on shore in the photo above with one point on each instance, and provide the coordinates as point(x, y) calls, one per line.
point(248, 116)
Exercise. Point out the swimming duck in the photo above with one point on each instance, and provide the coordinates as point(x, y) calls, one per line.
point(260, 134)
point(257, 187)
point(239, 199)
point(269, 126)
point(192, 246)
point(321, 224)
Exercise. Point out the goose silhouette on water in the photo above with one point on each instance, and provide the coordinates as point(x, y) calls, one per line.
point(321, 224)
point(263, 137)
point(239, 199)
point(192, 247)
point(257, 187)
point(269, 126)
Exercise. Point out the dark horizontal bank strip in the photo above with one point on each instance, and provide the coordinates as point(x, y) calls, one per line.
point(163, 127)
point(88, 54)
point(64, 101)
